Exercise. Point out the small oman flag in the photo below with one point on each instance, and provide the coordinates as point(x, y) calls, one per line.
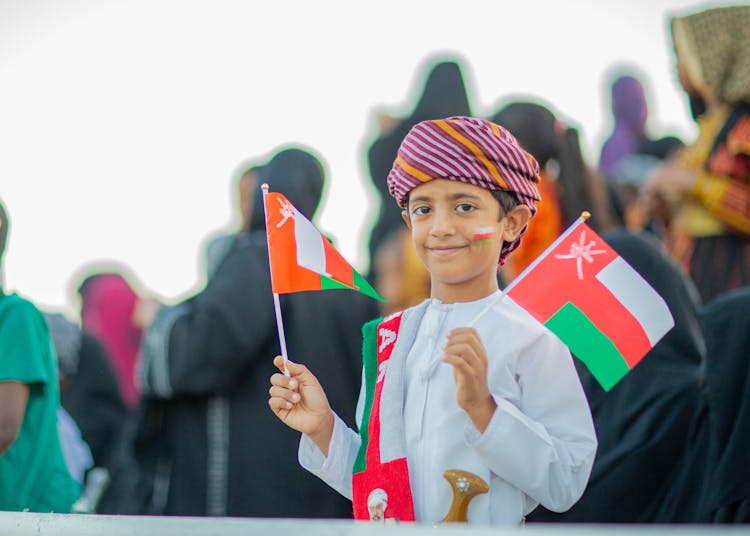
point(594, 301)
point(301, 258)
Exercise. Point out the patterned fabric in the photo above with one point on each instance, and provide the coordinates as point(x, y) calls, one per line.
point(381, 468)
point(714, 45)
point(469, 150)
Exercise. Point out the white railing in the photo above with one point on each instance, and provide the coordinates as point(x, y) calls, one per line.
point(27, 524)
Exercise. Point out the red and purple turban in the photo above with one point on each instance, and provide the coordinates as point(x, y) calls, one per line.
point(470, 150)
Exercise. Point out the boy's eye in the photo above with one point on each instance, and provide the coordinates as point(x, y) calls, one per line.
point(465, 207)
point(421, 210)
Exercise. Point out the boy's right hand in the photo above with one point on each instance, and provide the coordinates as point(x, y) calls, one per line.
point(300, 402)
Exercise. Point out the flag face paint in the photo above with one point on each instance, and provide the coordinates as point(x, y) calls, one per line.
point(483, 235)
point(603, 310)
point(301, 258)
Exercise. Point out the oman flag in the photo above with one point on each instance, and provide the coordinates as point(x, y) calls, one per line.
point(594, 301)
point(301, 258)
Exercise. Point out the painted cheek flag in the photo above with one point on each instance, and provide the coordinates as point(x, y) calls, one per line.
point(594, 301)
point(301, 258)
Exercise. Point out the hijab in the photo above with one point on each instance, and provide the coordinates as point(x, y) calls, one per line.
point(298, 175)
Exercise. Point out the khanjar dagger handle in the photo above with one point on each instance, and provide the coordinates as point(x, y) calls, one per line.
point(465, 486)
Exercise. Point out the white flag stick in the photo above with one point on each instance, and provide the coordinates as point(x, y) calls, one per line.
point(276, 302)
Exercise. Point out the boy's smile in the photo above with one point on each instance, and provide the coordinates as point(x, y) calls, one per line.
point(444, 217)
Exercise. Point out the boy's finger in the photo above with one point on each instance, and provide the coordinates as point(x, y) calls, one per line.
point(279, 404)
point(457, 363)
point(465, 337)
point(465, 351)
point(470, 338)
point(295, 369)
point(278, 361)
point(286, 394)
point(280, 380)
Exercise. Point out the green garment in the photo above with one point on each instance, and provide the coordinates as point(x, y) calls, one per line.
point(33, 474)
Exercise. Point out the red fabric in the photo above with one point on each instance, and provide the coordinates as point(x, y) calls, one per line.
point(392, 476)
point(286, 274)
point(554, 282)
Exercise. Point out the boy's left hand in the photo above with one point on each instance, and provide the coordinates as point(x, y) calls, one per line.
point(465, 352)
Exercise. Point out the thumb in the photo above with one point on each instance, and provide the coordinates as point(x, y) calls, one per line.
point(294, 369)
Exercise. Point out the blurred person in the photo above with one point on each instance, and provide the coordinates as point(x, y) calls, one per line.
point(633, 172)
point(217, 448)
point(726, 484)
point(568, 186)
point(401, 277)
point(645, 422)
point(218, 246)
point(33, 472)
point(108, 303)
point(90, 394)
point(88, 388)
point(76, 452)
point(673, 433)
point(704, 199)
point(630, 112)
point(443, 94)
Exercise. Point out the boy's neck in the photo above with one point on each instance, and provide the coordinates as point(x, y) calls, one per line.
point(463, 293)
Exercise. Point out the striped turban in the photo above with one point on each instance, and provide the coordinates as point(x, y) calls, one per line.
point(470, 150)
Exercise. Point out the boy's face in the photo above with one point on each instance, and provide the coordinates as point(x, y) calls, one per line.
point(447, 219)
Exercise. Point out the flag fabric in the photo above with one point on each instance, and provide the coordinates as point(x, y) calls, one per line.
point(594, 301)
point(301, 258)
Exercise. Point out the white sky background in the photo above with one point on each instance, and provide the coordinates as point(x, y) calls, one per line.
point(122, 121)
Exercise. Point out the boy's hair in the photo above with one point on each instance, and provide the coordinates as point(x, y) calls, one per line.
point(470, 150)
point(507, 201)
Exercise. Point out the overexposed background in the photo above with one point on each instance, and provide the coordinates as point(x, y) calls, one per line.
point(121, 121)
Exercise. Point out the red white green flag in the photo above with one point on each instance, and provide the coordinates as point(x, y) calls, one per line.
point(594, 301)
point(301, 258)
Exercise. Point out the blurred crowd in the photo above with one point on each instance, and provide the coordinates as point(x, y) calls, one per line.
point(162, 408)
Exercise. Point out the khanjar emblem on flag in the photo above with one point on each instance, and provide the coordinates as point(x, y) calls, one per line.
point(301, 258)
point(595, 302)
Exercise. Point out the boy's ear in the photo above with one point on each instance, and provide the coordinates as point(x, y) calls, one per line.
point(405, 216)
point(515, 221)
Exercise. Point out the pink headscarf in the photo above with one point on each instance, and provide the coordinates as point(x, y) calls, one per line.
point(107, 303)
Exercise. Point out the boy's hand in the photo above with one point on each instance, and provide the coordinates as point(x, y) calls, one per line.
point(300, 402)
point(465, 352)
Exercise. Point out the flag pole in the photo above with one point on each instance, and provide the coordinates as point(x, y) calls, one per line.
point(276, 302)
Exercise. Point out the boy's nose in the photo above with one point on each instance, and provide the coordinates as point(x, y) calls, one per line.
point(442, 223)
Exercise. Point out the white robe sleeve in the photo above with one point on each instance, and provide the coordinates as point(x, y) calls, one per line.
point(336, 469)
point(544, 445)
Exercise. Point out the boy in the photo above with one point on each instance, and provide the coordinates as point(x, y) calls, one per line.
point(467, 379)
